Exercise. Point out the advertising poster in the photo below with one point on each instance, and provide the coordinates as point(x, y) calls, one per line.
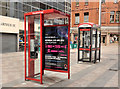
point(56, 48)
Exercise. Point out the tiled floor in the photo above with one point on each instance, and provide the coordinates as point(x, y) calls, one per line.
point(82, 74)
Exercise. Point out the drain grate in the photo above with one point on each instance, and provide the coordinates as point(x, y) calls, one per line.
point(113, 69)
point(112, 59)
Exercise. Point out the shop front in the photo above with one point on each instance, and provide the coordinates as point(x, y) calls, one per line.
point(9, 32)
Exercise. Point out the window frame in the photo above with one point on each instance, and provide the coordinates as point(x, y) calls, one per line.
point(87, 16)
point(77, 17)
point(113, 16)
point(117, 16)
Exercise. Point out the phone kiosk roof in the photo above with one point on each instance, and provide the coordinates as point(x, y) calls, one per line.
point(49, 14)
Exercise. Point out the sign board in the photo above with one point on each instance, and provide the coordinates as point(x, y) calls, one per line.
point(56, 47)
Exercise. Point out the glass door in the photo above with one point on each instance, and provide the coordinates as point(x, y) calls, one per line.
point(32, 46)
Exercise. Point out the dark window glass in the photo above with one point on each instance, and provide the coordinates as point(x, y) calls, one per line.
point(86, 17)
point(76, 18)
point(86, 2)
point(103, 1)
point(16, 13)
point(21, 15)
point(36, 4)
point(42, 6)
point(112, 13)
point(4, 11)
point(117, 19)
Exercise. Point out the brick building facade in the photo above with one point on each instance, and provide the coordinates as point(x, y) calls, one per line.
point(89, 12)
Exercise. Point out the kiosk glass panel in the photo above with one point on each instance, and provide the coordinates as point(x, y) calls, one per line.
point(32, 45)
point(84, 39)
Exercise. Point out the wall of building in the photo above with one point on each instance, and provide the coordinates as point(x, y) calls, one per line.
point(93, 9)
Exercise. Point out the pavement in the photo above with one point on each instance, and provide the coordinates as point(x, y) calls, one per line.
point(101, 74)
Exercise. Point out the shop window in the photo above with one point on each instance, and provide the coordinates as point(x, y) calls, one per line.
point(112, 16)
point(86, 17)
point(76, 18)
point(117, 20)
point(86, 2)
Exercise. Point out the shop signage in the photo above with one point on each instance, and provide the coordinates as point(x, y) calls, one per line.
point(8, 24)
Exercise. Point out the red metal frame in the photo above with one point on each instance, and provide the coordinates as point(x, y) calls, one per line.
point(42, 13)
point(84, 29)
point(41, 27)
point(86, 23)
point(25, 43)
point(56, 25)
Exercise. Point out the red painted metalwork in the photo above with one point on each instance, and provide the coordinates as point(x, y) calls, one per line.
point(86, 23)
point(47, 12)
point(44, 14)
point(28, 47)
point(84, 29)
point(33, 79)
point(36, 74)
point(30, 36)
point(56, 70)
point(56, 25)
point(69, 47)
point(25, 44)
point(84, 49)
point(41, 28)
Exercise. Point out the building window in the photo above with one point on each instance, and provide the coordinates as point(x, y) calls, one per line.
point(112, 16)
point(103, 1)
point(4, 11)
point(86, 2)
point(86, 17)
point(115, 1)
point(117, 20)
point(77, 3)
point(76, 18)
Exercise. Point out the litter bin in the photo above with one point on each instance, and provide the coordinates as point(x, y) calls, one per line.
point(75, 45)
point(71, 46)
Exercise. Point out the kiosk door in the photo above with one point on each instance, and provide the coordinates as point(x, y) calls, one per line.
point(33, 45)
point(84, 45)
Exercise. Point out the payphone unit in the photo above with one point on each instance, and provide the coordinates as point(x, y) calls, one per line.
point(89, 42)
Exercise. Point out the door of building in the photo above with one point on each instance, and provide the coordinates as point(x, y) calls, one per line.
point(103, 39)
point(9, 42)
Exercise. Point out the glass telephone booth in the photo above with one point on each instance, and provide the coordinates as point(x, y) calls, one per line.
point(47, 45)
point(89, 42)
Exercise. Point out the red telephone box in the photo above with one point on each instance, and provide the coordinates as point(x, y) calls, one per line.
point(47, 46)
point(89, 42)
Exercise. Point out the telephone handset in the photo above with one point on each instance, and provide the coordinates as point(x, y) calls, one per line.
point(33, 49)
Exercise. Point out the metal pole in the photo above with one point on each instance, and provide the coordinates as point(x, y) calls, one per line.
point(100, 13)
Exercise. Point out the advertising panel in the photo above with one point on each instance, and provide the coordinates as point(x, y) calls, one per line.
point(56, 48)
